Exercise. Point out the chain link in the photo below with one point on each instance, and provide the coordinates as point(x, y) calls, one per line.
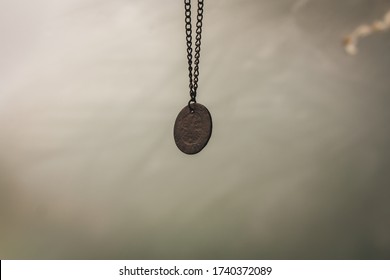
point(193, 61)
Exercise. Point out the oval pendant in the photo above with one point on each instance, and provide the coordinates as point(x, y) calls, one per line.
point(192, 129)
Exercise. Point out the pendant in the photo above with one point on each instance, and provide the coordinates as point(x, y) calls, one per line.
point(192, 129)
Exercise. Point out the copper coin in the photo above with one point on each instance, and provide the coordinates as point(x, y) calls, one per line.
point(192, 129)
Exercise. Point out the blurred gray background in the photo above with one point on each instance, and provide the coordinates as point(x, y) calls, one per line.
point(297, 166)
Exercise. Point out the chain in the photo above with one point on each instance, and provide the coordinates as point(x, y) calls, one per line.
point(193, 71)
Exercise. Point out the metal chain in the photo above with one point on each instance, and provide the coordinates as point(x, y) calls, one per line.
point(193, 71)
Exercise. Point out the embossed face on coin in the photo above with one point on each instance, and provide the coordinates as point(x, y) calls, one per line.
point(192, 129)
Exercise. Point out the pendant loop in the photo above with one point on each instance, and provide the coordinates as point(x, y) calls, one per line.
point(191, 104)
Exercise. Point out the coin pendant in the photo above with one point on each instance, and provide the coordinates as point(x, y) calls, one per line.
point(192, 129)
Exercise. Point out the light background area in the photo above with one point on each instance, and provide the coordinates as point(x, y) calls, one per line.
point(298, 165)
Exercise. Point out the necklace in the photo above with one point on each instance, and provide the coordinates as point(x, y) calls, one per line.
point(193, 124)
